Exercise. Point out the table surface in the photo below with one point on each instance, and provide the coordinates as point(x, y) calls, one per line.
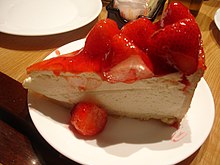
point(17, 52)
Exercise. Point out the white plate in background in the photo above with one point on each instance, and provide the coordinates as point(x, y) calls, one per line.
point(46, 17)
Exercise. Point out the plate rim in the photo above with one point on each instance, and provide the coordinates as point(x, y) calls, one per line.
point(68, 28)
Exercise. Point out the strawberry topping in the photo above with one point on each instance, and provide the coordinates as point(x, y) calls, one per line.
point(139, 31)
point(75, 62)
point(126, 62)
point(89, 58)
point(141, 49)
point(98, 41)
point(173, 13)
point(178, 44)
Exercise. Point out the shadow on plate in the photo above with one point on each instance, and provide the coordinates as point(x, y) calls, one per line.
point(17, 42)
point(121, 136)
point(48, 108)
point(124, 136)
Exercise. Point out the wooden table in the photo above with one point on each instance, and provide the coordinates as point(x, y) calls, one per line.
point(17, 52)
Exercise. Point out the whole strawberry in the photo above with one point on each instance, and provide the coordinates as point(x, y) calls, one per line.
point(97, 45)
point(88, 119)
point(98, 41)
point(178, 44)
point(173, 13)
point(139, 31)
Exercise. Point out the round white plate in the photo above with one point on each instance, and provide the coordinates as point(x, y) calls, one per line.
point(46, 17)
point(125, 141)
point(217, 18)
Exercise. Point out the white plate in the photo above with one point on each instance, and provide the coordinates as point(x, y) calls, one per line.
point(46, 17)
point(125, 141)
point(217, 18)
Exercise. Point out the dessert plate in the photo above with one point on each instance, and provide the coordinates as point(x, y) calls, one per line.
point(217, 18)
point(125, 141)
point(46, 17)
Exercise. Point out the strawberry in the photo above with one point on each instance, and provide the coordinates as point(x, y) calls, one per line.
point(98, 41)
point(185, 63)
point(177, 44)
point(88, 118)
point(97, 44)
point(160, 66)
point(175, 12)
point(139, 31)
point(126, 62)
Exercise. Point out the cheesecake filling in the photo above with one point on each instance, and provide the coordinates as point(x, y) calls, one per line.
point(164, 97)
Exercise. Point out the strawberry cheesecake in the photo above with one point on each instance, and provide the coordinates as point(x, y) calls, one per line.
point(144, 70)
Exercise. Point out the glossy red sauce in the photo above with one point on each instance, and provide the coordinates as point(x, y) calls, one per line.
point(84, 61)
point(75, 62)
point(201, 60)
point(78, 62)
point(176, 125)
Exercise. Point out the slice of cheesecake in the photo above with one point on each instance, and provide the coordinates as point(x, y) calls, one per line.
point(166, 97)
point(115, 70)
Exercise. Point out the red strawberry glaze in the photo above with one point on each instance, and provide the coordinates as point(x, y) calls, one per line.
point(94, 56)
point(89, 58)
point(185, 81)
point(98, 41)
point(102, 49)
point(75, 62)
point(173, 13)
point(201, 60)
point(140, 27)
point(78, 62)
point(126, 62)
point(178, 135)
point(177, 45)
point(201, 66)
point(57, 52)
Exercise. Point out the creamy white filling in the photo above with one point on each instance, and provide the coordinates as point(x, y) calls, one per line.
point(156, 97)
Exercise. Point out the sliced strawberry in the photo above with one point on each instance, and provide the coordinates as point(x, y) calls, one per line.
point(98, 41)
point(187, 64)
point(139, 31)
point(88, 118)
point(126, 62)
point(161, 66)
point(181, 38)
point(175, 12)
